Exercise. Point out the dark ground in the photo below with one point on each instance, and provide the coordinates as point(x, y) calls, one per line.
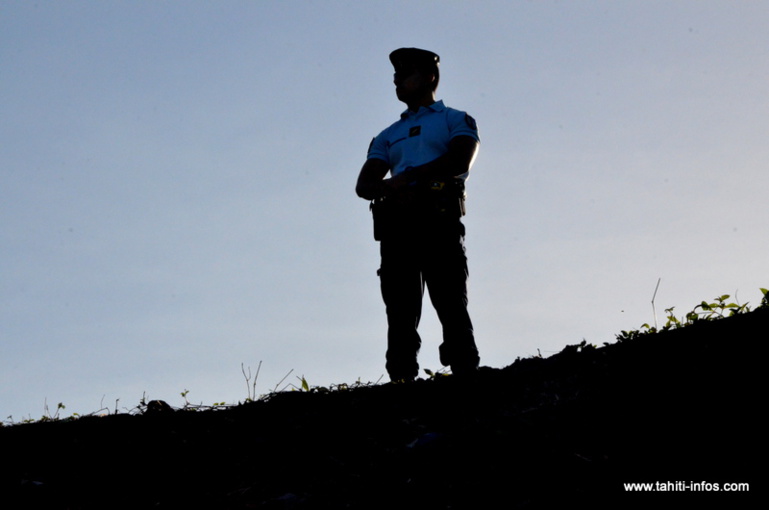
point(561, 432)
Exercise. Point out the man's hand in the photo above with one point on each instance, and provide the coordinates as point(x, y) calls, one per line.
point(372, 184)
point(401, 189)
point(399, 183)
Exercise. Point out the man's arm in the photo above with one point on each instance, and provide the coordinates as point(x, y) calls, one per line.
point(372, 183)
point(458, 159)
point(370, 180)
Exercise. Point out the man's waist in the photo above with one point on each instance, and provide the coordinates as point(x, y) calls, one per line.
point(426, 198)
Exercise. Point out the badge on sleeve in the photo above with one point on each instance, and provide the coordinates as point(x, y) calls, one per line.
point(471, 122)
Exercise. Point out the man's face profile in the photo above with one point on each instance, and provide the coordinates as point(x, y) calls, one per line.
point(411, 82)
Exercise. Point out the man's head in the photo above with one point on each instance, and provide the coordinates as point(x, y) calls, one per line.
point(416, 73)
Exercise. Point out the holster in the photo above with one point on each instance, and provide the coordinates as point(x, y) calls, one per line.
point(381, 217)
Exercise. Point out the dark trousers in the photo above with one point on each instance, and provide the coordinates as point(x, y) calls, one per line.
point(430, 255)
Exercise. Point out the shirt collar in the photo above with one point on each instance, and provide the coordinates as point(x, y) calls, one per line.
point(435, 107)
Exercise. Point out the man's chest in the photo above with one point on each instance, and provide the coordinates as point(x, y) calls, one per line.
point(418, 138)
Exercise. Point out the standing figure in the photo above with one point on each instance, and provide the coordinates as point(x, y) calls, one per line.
point(417, 212)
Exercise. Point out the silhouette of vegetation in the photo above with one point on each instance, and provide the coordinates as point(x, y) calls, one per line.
point(675, 404)
point(717, 309)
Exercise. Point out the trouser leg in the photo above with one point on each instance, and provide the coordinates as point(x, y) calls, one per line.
point(402, 289)
point(446, 276)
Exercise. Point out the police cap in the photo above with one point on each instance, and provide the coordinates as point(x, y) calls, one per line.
point(406, 59)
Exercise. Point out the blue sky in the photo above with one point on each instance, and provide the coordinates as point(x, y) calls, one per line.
point(177, 183)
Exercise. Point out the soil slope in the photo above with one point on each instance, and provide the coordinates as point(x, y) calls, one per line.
point(568, 430)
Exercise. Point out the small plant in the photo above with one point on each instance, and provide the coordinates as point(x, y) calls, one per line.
point(251, 388)
point(437, 374)
point(305, 385)
point(719, 308)
point(52, 417)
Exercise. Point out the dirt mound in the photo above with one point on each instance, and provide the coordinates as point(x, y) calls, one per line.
point(676, 408)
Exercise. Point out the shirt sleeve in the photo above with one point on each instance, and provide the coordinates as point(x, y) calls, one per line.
point(461, 123)
point(378, 148)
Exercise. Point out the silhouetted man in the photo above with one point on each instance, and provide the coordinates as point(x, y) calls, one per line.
point(417, 216)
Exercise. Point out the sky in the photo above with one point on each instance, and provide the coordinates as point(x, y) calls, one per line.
point(177, 184)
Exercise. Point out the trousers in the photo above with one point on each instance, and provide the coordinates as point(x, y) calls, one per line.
point(428, 255)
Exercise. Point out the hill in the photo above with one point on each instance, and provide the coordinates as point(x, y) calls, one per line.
point(677, 409)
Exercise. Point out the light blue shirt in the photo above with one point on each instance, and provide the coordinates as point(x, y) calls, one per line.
point(420, 137)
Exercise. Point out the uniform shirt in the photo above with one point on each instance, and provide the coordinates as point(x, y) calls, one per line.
point(420, 137)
